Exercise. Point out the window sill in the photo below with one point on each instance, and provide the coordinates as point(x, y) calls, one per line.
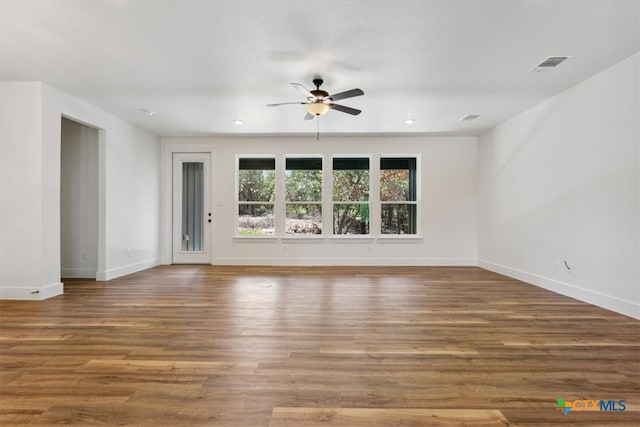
point(254, 239)
point(302, 238)
point(406, 238)
point(349, 238)
point(352, 238)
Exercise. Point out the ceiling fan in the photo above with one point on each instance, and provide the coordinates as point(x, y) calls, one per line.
point(319, 101)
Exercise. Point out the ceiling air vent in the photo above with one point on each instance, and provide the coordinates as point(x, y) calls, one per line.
point(469, 117)
point(549, 63)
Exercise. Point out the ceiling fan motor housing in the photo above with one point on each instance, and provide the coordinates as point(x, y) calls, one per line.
point(319, 94)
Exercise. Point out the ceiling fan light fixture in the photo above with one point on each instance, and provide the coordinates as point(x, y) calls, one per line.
point(318, 108)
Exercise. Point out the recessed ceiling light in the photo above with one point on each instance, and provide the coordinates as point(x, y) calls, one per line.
point(147, 112)
point(237, 122)
point(409, 121)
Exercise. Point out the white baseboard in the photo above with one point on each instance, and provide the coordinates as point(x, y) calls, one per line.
point(79, 273)
point(113, 273)
point(35, 293)
point(431, 262)
point(586, 295)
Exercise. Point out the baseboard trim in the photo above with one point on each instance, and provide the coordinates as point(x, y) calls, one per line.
point(34, 294)
point(79, 273)
point(103, 276)
point(585, 295)
point(313, 262)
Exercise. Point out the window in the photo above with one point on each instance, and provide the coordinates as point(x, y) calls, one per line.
point(351, 195)
point(303, 196)
point(398, 201)
point(300, 202)
point(256, 196)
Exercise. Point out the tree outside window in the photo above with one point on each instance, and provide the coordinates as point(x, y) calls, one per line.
point(256, 196)
point(303, 197)
point(351, 205)
point(398, 201)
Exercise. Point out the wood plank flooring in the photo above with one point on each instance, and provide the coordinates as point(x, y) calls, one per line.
point(276, 346)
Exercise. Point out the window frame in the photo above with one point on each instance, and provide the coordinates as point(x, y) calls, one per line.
point(417, 202)
point(370, 202)
point(375, 203)
point(238, 202)
point(286, 202)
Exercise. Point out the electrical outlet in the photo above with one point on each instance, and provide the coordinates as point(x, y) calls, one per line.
point(128, 253)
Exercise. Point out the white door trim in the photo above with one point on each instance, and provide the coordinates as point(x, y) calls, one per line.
point(170, 146)
point(180, 256)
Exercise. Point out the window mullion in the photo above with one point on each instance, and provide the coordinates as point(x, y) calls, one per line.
point(327, 197)
point(278, 209)
point(374, 197)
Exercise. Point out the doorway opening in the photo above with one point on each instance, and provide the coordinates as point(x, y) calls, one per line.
point(79, 200)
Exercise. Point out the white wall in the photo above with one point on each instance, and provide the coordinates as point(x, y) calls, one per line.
point(560, 182)
point(448, 234)
point(79, 200)
point(21, 260)
point(129, 186)
point(129, 181)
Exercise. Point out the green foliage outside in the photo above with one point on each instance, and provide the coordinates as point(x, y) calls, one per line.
point(256, 186)
point(351, 187)
point(303, 186)
point(394, 185)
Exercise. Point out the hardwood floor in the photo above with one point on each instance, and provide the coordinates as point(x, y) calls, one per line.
point(261, 346)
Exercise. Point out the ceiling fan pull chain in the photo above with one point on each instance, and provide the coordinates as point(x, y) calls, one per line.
point(318, 129)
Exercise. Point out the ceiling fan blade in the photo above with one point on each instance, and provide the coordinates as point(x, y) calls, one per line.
point(346, 94)
point(309, 116)
point(348, 110)
point(285, 103)
point(300, 87)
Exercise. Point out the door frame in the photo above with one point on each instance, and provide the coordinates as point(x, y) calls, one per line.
point(170, 146)
point(101, 274)
point(177, 255)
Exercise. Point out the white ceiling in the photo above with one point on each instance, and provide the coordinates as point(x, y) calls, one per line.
point(201, 64)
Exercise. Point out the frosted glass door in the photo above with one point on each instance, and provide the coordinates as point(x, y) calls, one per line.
point(192, 209)
point(191, 213)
